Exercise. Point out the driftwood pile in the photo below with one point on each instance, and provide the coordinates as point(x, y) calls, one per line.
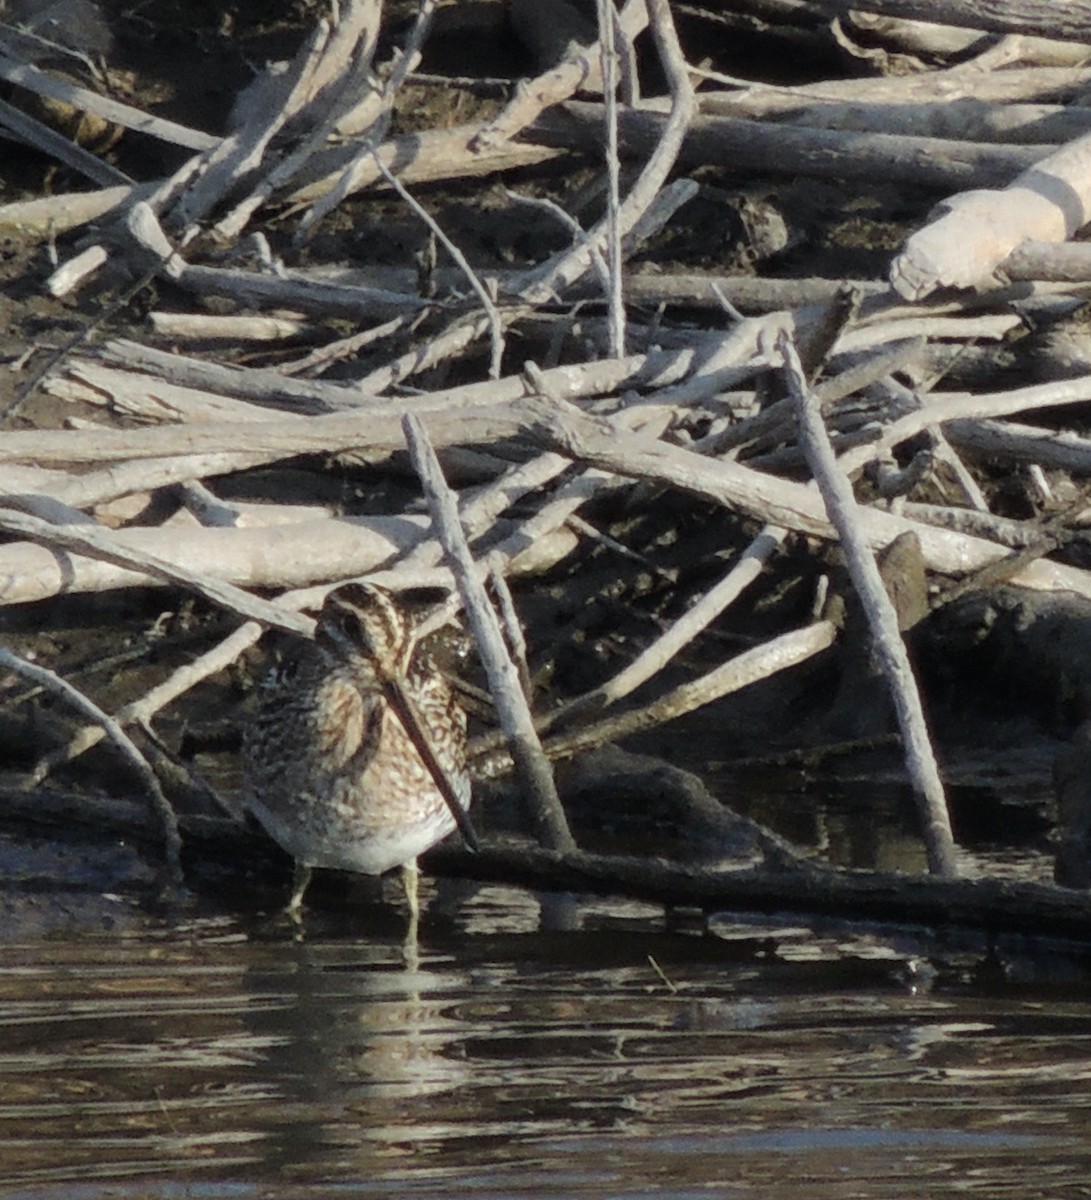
point(549, 387)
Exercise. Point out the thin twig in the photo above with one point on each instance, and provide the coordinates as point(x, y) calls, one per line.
point(615, 298)
point(770, 658)
point(345, 65)
point(496, 328)
point(663, 650)
point(369, 122)
point(571, 224)
point(30, 130)
point(579, 69)
point(513, 631)
point(559, 273)
point(144, 708)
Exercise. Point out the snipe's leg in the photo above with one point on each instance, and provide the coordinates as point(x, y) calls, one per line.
point(301, 877)
point(410, 880)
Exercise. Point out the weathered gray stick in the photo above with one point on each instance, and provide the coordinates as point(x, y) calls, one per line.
point(881, 616)
point(778, 654)
point(172, 840)
point(662, 651)
point(511, 705)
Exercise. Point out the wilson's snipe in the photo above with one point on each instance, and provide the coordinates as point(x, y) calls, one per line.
point(356, 757)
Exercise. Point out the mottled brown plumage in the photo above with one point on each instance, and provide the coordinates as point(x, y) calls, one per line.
point(332, 768)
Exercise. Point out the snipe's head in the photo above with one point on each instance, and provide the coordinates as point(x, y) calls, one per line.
point(360, 621)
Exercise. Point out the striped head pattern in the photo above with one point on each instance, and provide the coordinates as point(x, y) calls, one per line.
point(363, 621)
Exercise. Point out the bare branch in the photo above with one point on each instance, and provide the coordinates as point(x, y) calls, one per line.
point(881, 616)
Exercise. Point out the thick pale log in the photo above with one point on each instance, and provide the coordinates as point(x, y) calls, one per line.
point(261, 441)
point(977, 230)
point(289, 555)
point(267, 557)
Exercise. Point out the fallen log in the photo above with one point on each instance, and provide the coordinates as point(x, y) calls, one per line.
point(806, 893)
point(1071, 20)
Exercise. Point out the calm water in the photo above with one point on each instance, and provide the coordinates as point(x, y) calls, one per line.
point(221, 1057)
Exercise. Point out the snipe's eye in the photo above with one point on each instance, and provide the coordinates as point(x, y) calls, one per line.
point(344, 631)
point(353, 628)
